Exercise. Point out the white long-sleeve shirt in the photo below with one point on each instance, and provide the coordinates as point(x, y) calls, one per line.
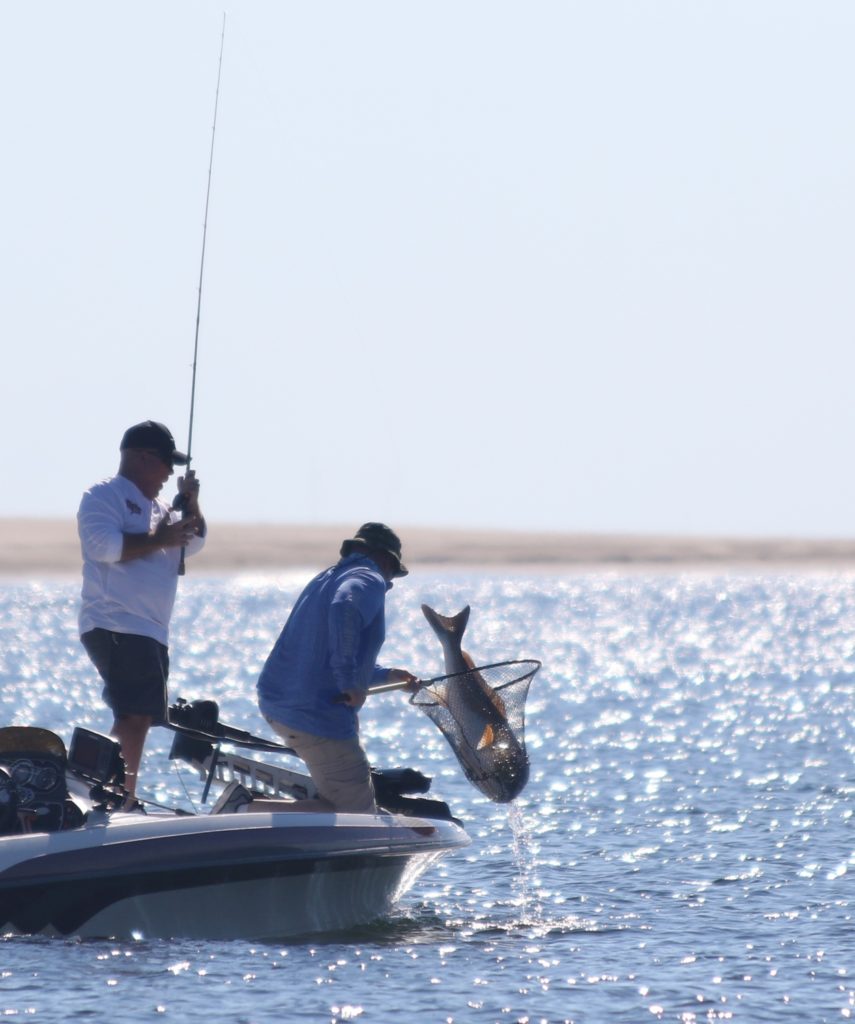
point(135, 596)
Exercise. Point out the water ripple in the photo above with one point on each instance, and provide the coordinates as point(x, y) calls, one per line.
point(683, 851)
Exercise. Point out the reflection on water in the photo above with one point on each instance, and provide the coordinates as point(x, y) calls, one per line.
point(682, 852)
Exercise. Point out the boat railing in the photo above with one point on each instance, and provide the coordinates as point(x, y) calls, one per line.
point(256, 776)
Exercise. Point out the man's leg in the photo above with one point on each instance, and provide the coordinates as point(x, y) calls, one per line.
point(339, 769)
point(134, 670)
point(131, 732)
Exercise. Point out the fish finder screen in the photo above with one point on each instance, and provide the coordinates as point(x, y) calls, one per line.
point(96, 756)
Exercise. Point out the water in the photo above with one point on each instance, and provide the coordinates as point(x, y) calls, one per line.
point(684, 851)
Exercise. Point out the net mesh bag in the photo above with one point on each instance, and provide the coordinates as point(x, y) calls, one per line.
point(482, 715)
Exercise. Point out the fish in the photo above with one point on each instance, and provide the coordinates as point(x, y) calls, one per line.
point(473, 716)
point(479, 699)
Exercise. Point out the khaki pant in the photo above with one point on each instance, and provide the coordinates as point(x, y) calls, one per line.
point(339, 768)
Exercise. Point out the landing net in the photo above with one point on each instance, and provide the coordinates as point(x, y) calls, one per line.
point(482, 715)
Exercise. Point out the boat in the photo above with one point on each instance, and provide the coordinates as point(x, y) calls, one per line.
point(76, 860)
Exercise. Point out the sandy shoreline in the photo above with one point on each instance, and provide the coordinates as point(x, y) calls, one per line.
point(46, 547)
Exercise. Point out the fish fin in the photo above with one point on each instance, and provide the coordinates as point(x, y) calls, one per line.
point(467, 660)
point(488, 738)
point(447, 625)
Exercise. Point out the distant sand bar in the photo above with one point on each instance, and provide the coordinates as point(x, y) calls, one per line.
point(47, 547)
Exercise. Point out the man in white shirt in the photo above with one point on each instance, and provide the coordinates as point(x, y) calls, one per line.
point(131, 543)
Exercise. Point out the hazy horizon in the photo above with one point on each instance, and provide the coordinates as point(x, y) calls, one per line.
point(566, 267)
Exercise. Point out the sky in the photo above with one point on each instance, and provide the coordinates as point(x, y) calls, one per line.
point(554, 265)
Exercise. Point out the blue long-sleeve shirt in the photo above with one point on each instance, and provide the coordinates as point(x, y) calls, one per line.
point(329, 644)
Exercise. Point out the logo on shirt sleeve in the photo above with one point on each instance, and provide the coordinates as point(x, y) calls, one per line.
point(133, 508)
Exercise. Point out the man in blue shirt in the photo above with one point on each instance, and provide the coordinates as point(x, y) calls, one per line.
point(316, 677)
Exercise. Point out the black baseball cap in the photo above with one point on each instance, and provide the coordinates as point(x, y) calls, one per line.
point(157, 437)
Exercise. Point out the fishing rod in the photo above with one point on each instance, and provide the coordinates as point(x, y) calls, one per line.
point(181, 502)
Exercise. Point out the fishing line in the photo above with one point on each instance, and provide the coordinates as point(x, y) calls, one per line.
point(181, 567)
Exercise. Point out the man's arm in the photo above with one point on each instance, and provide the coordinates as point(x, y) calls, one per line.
point(99, 524)
point(167, 535)
point(345, 630)
point(353, 608)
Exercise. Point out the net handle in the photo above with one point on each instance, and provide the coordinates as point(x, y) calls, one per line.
point(388, 687)
point(421, 683)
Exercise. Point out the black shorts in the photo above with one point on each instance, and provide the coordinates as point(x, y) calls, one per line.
point(134, 669)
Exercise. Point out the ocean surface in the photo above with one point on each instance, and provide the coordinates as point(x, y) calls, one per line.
point(684, 851)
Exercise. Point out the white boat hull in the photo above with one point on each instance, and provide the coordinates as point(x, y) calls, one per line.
point(216, 876)
point(322, 900)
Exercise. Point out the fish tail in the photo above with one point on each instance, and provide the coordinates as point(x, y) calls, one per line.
point(447, 625)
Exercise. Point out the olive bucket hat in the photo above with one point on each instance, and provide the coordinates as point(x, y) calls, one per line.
point(380, 537)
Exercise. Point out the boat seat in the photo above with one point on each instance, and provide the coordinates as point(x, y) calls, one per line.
point(34, 762)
